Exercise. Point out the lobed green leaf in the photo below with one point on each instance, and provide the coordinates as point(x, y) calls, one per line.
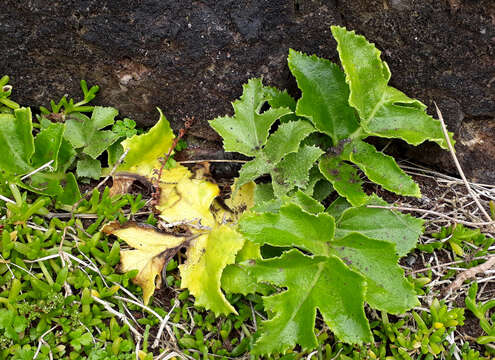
point(319, 282)
point(247, 131)
point(324, 95)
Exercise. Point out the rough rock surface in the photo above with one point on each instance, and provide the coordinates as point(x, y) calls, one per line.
point(191, 57)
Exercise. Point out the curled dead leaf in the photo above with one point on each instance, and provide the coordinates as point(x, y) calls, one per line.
point(152, 251)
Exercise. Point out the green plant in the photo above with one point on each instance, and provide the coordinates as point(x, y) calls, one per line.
point(336, 259)
point(461, 240)
point(64, 107)
point(40, 156)
point(482, 312)
point(6, 105)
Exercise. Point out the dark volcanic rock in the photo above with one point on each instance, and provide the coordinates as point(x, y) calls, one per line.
point(191, 57)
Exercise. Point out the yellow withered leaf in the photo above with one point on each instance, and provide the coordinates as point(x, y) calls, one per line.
point(152, 250)
point(188, 201)
point(145, 150)
point(238, 202)
point(206, 260)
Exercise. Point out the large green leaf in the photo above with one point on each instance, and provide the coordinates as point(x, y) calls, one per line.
point(344, 178)
point(291, 226)
point(377, 262)
point(324, 95)
point(403, 230)
point(247, 131)
point(384, 111)
point(381, 169)
point(47, 145)
point(236, 278)
point(323, 283)
point(16, 141)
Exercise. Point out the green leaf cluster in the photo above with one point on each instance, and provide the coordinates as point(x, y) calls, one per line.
point(482, 312)
point(333, 260)
point(46, 155)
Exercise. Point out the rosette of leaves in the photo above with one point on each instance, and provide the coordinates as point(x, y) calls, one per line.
point(347, 106)
point(339, 258)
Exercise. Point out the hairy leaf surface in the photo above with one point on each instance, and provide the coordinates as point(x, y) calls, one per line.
point(384, 111)
point(323, 283)
point(344, 178)
point(291, 226)
point(381, 169)
point(324, 95)
point(403, 230)
point(247, 131)
point(377, 262)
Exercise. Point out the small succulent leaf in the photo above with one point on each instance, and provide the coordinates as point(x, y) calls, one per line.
point(286, 140)
point(99, 142)
point(47, 145)
point(281, 99)
point(384, 111)
point(381, 169)
point(247, 131)
point(88, 167)
point(145, 150)
point(188, 200)
point(293, 170)
point(403, 230)
point(16, 141)
point(387, 288)
point(207, 258)
point(325, 95)
point(152, 250)
point(291, 226)
point(344, 178)
point(319, 282)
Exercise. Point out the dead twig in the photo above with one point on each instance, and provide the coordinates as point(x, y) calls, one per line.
point(458, 166)
point(470, 273)
point(156, 193)
point(431, 212)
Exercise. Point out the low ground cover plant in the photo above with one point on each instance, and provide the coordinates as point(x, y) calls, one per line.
point(307, 256)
